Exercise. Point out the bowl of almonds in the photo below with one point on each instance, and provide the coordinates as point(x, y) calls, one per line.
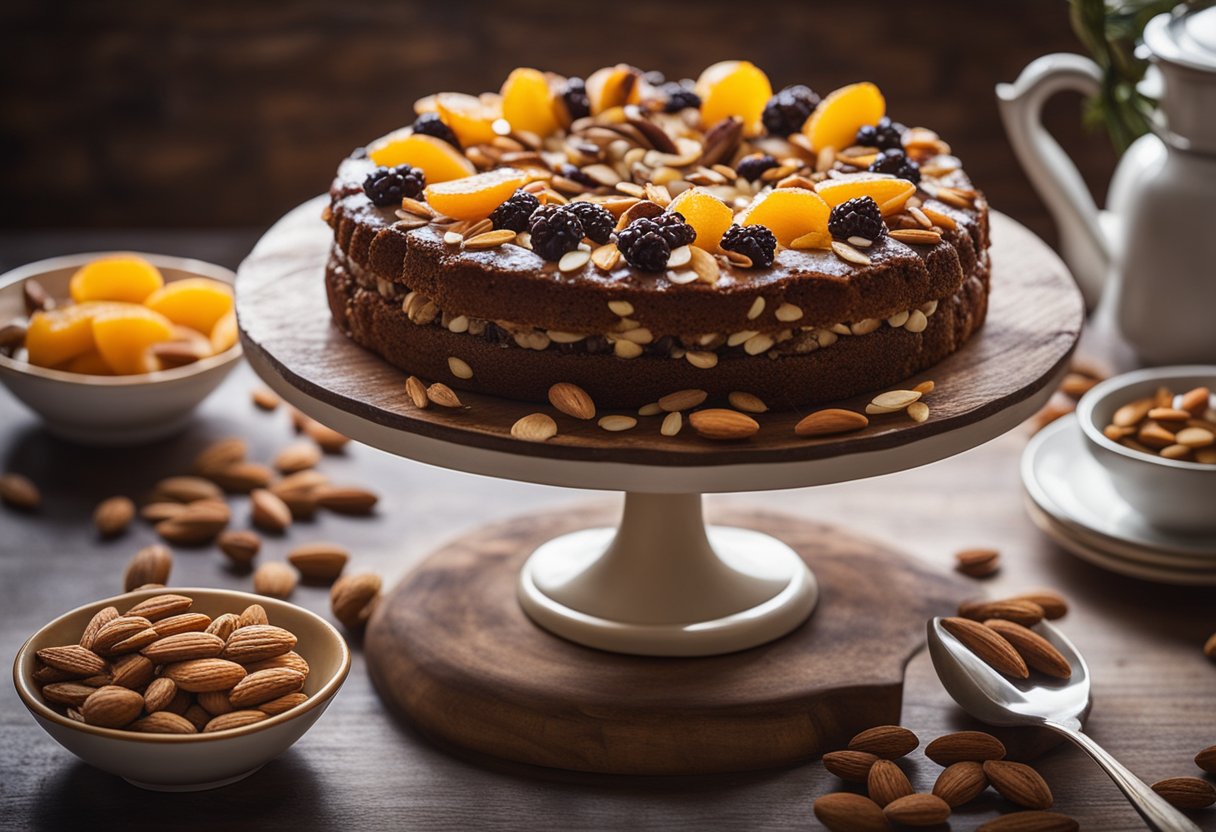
point(1154, 431)
point(184, 690)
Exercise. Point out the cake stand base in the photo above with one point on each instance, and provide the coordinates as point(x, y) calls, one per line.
point(453, 652)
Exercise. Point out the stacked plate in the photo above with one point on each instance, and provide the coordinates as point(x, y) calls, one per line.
point(1069, 496)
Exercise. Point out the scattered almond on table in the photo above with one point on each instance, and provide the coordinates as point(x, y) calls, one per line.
point(978, 563)
point(19, 492)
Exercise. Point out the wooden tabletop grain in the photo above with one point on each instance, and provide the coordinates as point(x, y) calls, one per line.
point(1155, 693)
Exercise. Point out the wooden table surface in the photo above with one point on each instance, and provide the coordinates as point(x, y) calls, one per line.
point(1155, 693)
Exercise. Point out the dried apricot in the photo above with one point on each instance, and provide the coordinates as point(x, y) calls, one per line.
point(58, 336)
point(889, 193)
point(90, 364)
point(471, 118)
point(842, 113)
point(734, 88)
point(612, 86)
point(789, 213)
point(527, 102)
point(196, 302)
point(708, 216)
point(124, 331)
point(223, 334)
point(126, 278)
point(475, 196)
point(438, 160)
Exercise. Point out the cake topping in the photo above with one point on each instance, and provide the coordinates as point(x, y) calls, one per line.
point(706, 214)
point(388, 186)
point(555, 230)
point(436, 158)
point(574, 95)
point(884, 135)
point(430, 124)
point(754, 241)
point(645, 245)
point(679, 96)
point(790, 213)
point(674, 229)
point(514, 213)
point(857, 217)
point(475, 197)
point(734, 88)
point(598, 224)
point(788, 110)
point(836, 120)
point(527, 102)
point(751, 167)
point(896, 163)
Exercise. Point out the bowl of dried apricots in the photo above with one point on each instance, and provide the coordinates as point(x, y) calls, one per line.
point(116, 348)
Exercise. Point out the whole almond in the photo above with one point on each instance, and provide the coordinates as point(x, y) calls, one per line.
point(197, 717)
point(326, 437)
point(215, 702)
point(283, 703)
point(301, 482)
point(112, 707)
point(113, 515)
point(163, 722)
point(156, 512)
point(224, 625)
point(186, 622)
point(572, 400)
point(276, 580)
point(264, 398)
point(1206, 759)
point(257, 642)
point(132, 671)
point(265, 685)
point(917, 810)
point(1209, 647)
point(723, 424)
point(1026, 613)
point(240, 546)
point(1038, 652)
point(202, 675)
point(19, 492)
point(1034, 821)
point(346, 500)
point(199, 523)
point(887, 741)
point(319, 562)
point(296, 457)
point(73, 659)
point(233, 719)
point(978, 563)
point(960, 783)
point(183, 647)
point(118, 630)
point(269, 512)
point(442, 395)
point(220, 454)
point(682, 400)
point(291, 660)
point(100, 619)
point(44, 674)
point(161, 606)
point(534, 427)
point(415, 388)
point(1186, 792)
point(133, 643)
point(848, 812)
point(989, 645)
point(965, 746)
point(1018, 783)
point(887, 782)
point(150, 565)
point(353, 597)
point(251, 615)
point(159, 694)
point(831, 421)
point(185, 490)
point(1052, 603)
point(1195, 401)
point(242, 477)
point(67, 693)
point(849, 765)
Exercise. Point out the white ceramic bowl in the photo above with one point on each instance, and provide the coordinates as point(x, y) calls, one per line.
point(191, 762)
point(1176, 495)
point(109, 410)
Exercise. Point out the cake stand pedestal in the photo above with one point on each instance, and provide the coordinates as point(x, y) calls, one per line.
point(746, 680)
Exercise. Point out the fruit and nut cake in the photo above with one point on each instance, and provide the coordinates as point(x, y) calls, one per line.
point(635, 236)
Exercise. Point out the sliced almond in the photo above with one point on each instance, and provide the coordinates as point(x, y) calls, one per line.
point(535, 427)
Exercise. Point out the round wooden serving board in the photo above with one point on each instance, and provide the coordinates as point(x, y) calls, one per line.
point(999, 378)
point(451, 650)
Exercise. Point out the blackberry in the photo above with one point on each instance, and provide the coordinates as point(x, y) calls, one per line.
point(675, 229)
point(885, 135)
point(574, 95)
point(750, 167)
point(598, 224)
point(386, 186)
point(429, 124)
point(575, 174)
point(755, 241)
point(514, 213)
point(896, 162)
point(644, 245)
point(857, 217)
point(677, 96)
point(555, 230)
point(786, 111)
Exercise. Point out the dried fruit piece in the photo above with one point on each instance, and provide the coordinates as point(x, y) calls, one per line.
point(196, 302)
point(124, 332)
point(708, 216)
point(890, 194)
point(439, 160)
point(474, 197)
point(790, 213)
point(124, 277)
point(843, 112)
point(610, 87)
point(470, 117)
point(1018, 783)
point(734, 88)
point(527, 102)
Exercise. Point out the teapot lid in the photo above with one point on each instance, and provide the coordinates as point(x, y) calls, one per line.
point(1184, 38)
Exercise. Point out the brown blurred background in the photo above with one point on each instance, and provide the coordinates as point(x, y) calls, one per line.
point(226, 113)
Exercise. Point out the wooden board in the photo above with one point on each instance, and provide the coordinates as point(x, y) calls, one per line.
point(452, 651)
point(1034, 319)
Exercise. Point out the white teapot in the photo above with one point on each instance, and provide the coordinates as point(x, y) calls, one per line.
point(1151, 254)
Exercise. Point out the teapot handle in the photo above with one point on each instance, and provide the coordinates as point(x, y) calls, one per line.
point(1049, 168)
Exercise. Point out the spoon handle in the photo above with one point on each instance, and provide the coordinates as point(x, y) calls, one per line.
point(1155, 810)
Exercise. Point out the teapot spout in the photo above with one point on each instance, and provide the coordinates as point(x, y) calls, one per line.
point(1083, 244)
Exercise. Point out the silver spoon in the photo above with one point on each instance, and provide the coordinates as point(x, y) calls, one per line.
point(1059, 705)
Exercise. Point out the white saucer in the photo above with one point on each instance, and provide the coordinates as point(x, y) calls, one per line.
point(1073, 490)
point(1129, 568)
